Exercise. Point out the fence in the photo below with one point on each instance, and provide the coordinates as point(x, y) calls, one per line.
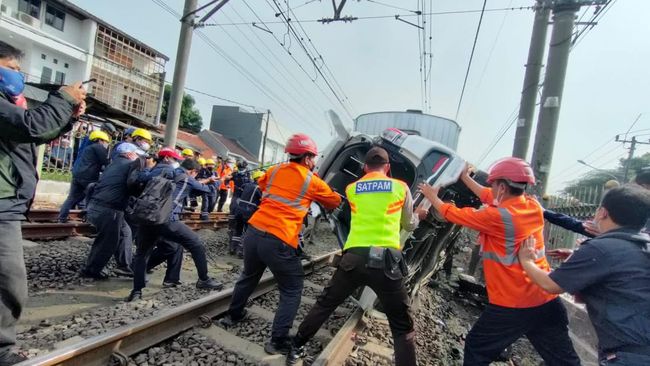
point(579, 203)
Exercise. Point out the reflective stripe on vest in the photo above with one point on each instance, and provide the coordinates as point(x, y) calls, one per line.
point(511, 256)
point(294, 203)
point(376, 204)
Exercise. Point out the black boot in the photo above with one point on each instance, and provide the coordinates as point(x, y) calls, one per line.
point(405, 350)
point(296, 352)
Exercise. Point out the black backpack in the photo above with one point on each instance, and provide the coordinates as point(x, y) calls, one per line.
point(155, 204)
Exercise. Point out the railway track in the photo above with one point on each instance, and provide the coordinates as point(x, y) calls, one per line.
point(42, 224)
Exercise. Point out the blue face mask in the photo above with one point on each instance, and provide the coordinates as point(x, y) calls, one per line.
point(11, 82)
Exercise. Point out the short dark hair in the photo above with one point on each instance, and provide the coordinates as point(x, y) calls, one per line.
point(643, 177)
point(298, 159)
point(513, 191)
point(9, 51)
point(190, 164)
point(628, 205)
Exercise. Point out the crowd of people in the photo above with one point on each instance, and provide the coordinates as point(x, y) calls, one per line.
point(132, 194)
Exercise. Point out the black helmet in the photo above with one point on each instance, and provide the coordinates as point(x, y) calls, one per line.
point(109, 128)
point(242, 164)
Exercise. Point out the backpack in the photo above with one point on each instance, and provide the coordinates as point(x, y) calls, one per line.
point(155, 204)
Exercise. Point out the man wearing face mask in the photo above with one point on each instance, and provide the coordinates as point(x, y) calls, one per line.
point(86, 171)
point(106, 212)
point(516, 306)
point(168, 166)
point(611, 273)
point(272, 236)
point(22, 129)
point(225, 173)
point(209, 199)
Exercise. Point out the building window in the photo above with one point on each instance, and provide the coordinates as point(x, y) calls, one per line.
point(43, 56)
point(132, 105)
point(55, 61)
point(46, 75)
point(54, 17)
point(66, 65)
point(31, 7)
point(59, 78)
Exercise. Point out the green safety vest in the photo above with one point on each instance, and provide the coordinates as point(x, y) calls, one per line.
point(376, 203)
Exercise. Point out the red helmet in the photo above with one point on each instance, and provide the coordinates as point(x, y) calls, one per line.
point(514, 170)
point(169, 152)
point(300, 144)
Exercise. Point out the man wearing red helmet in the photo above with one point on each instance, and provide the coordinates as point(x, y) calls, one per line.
point(516, 306)
point(272, 236)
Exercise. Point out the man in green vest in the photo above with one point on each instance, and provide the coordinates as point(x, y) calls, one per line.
point(380, 205)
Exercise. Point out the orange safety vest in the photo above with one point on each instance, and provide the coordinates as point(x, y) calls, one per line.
point(222, 172)
point(288, 191)
point(501, 230)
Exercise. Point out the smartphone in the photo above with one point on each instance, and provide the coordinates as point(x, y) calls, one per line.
point(93, 80)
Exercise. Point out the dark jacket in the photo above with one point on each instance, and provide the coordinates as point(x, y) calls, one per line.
point(239, 179)
point(112, 191)
point(184, 185)
point(567, 222)
point(21, 131)
point(248, 201)
point(91, 163)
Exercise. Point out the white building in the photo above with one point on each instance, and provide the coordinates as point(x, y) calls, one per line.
point(64, 43)
point(275, 141)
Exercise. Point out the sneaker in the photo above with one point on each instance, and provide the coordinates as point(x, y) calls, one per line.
point(171, 284)
point(295, 354)
point(134, 295)
point(11, 358)
point(209, 284)
point(278, 347)
point(95, 276)
point(126, 272)
point(228, 321)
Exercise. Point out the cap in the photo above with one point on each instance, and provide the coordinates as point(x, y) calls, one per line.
point(126, 147)
point(377, 155)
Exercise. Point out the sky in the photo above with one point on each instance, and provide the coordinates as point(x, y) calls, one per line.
point(374, 65)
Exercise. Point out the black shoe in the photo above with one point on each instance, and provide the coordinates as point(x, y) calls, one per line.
point(134, 295)
point(295, 354)
point(228, 321)
point(150, 271)
point(171, 284)
point(62, 221)
point(209, 284)
point(126, 272)
point(278, 347)
point(11, 358)
point(95, 276)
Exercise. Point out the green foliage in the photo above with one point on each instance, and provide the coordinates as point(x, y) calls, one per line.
point(598, 178)
point(190, 120)
point(56, 176)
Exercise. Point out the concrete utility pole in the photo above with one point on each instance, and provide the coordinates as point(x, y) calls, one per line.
point(630, 155)
point(180, 73)
point(531, 79)
point(564, 14)
point(266, 131)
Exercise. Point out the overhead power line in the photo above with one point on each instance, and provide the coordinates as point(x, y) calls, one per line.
point(471, 57)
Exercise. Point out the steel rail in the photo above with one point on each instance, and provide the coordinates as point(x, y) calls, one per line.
point(50, 215)
point(131, 339)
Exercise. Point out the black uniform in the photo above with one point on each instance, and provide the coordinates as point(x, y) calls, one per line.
point(106, 213)
point(245, 206)
point(86, 170)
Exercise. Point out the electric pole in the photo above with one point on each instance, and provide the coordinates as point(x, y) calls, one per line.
point(180, 73)
point(564, 14)
point(266, 131)
point(180, 68)
point(531, 79)
point(630, 155)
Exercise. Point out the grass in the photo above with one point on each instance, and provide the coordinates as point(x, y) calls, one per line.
point(57, 176)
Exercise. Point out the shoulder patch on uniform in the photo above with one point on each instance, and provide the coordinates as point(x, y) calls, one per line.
point(373, 186)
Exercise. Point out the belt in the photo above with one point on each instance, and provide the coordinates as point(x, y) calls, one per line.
point(639, 350)
point(264, 234)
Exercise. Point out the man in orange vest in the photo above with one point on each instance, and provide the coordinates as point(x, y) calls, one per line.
point(272, 237)
point(516, 306)
point(224, 172)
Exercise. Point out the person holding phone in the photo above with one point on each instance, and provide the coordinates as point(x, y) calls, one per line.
point(22, 129)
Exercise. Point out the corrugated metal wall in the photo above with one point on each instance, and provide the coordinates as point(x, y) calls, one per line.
point(442, 130)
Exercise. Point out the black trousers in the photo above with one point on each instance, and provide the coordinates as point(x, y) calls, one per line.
point(113, 239)
point(262, 250)
point(222, 197)
point(170, 252)
point(546, 327)
point(175, 231)
point(351, 274)
point(76, 196)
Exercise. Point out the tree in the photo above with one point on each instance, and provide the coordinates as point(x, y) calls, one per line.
point(190, 120)
point(597, 178)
